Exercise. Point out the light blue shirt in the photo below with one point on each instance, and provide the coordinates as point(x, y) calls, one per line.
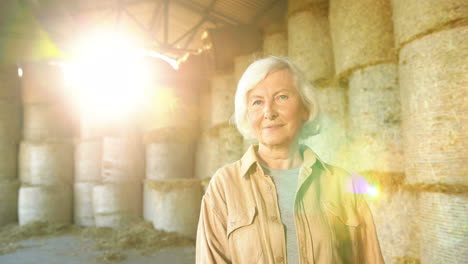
point(286, 184)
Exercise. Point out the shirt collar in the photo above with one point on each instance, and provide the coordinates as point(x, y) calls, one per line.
point(250, 158)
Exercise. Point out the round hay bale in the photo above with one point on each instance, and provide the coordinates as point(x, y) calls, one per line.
point(433, 77)
point(88, 155)
point(51, 204)
point(374, 99)
point(223, 89)
point(299, 5)
point(396, 221)
point(413, 19)
point(9, 83)
point(275, 40)
point(167, 160)
point(9, 204)
point(122, 159)
point(217, 147)
point(177, 206)
point(10, 121)
point(46, 121)
point(443, 220)
point(83, 214)
point(148, 203)
point(8, 160)
point(331, 123)
point(117, 204)
point(375, 119)
point(42, 82)
point(309, 43)
point(46, 163)
point(242, 62)
point(362, 33)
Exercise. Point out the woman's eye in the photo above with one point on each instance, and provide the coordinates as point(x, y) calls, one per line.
point(257, 102)
point(283, 97)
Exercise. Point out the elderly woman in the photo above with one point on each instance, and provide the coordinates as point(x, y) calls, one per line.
point(280, 203)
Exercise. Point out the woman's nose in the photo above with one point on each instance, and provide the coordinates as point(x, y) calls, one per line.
point(269, 112)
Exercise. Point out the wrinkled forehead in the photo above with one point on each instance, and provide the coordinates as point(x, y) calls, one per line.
point(275, 81)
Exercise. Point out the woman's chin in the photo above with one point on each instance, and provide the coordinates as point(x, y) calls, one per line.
point(274, 141)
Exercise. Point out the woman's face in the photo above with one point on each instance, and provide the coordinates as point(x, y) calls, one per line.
point(275, 110)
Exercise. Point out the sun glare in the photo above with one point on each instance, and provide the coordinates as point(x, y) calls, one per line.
point(109, 76)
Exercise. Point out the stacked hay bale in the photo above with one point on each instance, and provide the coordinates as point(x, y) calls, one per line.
point(46, 152)
point(88, 155)
point(433, 46)
point(362, 34)
point(118, 200)
point(109, 165)
point(10, 131)
point(170, 149)
point(309, 46)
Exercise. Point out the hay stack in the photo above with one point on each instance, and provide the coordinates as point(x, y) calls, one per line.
point(329, 142)
point(51, 204)
point(374, 119)
point(433, 77)
point(362, 33)
point(396, 220)
point(217, 147)
point(223, 89)
point(309, 42)
point(177, 203)
point(88, 155)
point(46, 163)
point(275, 40)
point(122, 159)
point(10, 121)
point(42, 82)
point(83, 214)
point(169, 159)
point(443, 217)
point(9, 204)
point(8, 160)
point(117, 204)
point(242, 62)
point(45, 121)
point(9, 83)
point(413, 18)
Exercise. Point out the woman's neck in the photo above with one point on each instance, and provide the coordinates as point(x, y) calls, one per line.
point(277, 157)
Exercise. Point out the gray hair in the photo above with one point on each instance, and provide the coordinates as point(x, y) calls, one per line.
point(258, 71)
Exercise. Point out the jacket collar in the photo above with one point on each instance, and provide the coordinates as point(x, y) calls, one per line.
point(250, 158)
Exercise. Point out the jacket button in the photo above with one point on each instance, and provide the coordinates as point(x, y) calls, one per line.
point(268, 187)
point(279, 259)
point(274, 218)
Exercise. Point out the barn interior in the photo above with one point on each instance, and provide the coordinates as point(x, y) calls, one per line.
point(115, 114)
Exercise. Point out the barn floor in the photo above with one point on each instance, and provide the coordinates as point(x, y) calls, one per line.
point(71, 248)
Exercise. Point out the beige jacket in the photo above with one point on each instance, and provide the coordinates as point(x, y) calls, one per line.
point(240, 220)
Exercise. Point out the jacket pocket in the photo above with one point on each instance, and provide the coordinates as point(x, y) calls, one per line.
point(244, 237)
point(345, 224)
point(346, 214)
